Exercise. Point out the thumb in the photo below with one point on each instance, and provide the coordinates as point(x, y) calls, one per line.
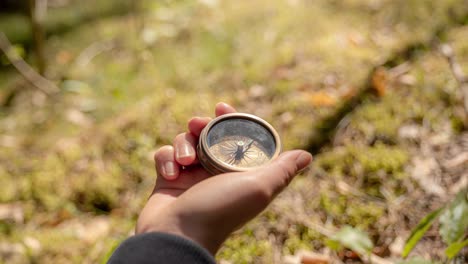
point(281, 171)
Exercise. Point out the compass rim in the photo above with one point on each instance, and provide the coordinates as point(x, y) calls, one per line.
point(213, 164)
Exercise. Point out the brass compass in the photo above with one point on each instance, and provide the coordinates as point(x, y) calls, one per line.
point(237, 142)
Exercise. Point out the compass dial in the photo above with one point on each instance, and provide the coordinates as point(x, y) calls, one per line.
point(237, 142)
point(240, 151)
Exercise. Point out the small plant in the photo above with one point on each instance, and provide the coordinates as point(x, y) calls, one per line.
point(453, 220)
point(354, 239)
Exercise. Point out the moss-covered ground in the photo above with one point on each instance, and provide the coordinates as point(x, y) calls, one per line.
point(76, 167)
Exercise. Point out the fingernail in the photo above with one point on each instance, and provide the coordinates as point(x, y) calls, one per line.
point(184, 151)
point(169, 168)
point(303, 160)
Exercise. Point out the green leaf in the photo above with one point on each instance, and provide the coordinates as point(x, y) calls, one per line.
point(453, 249)
point(454, 220)
point(354, 239)
point(419, 231)
point(333, 244)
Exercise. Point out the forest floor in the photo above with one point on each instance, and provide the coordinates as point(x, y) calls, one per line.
point(76, 167)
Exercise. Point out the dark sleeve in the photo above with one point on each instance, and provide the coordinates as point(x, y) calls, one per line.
point(160, 248)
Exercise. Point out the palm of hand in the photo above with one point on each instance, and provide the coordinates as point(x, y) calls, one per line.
point(186, 201)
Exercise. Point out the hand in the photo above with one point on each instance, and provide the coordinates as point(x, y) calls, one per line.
point(188, 202)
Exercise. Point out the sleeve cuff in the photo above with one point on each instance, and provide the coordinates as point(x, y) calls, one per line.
point(160, 248)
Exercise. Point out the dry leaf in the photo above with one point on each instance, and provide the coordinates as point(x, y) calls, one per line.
point(95, 229)
point(257, 91)
point(13, 212)
point(423, 172)
point(32, 244)
point(380, 81)
point(322, 99)
point(307, 257)
point(63, 57)
point(78, 118)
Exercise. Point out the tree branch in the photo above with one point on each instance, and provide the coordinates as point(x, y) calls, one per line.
point(24, 69)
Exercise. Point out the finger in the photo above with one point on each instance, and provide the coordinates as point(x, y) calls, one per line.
point(196, 125)
point(280, 172)
point(223, 108)
point(188, 177)
point(166, 166)
point(184, 146)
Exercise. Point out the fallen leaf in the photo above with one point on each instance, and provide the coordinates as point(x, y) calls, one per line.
point(461, 159)
point(13, 212)
point(95, 229)
point(32, 244)
point(422, 172)
point(63, 57)
point(8, 141)
point(306, 257)
point(380, 81)
point(322, 99)
point(78, 118)
point(257, 91)
point(396, 248)
point(309, 257)
point(409, 131)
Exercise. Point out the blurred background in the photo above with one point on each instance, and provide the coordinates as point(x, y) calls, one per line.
point(377, 90)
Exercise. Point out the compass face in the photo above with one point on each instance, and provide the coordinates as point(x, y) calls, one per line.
point(237, 142)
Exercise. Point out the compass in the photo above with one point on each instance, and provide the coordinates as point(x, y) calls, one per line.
point(237, 142)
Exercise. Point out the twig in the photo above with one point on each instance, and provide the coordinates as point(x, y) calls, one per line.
point(24, 69)
point(457, 72)
point(92, 51)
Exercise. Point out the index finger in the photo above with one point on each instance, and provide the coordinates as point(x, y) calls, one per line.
point(223, 108)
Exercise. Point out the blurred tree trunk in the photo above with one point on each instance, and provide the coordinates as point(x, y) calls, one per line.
point(37, 12)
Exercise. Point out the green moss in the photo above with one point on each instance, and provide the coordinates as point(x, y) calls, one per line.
point(9, 184)
point(379, 157)
point(301, 237)
point(48, 183)
point(334, 206)
point(376, 120)
point(371, 166)
point(346, 209)
point(245, 248)
point(140, 95)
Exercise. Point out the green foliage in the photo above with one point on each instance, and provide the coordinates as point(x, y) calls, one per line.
point(452, 250)
point(244, 248)
point(139, 95)
point(419, 231)
point(300, 237)
point(370, 158)
point(349, 210)
point(379, 120)
point(367, 165)
point(380, 157)
point(454, 220)
point(354, 239)
point(453, 224)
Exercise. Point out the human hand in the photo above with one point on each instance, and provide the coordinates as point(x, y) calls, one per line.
point(189, 202)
